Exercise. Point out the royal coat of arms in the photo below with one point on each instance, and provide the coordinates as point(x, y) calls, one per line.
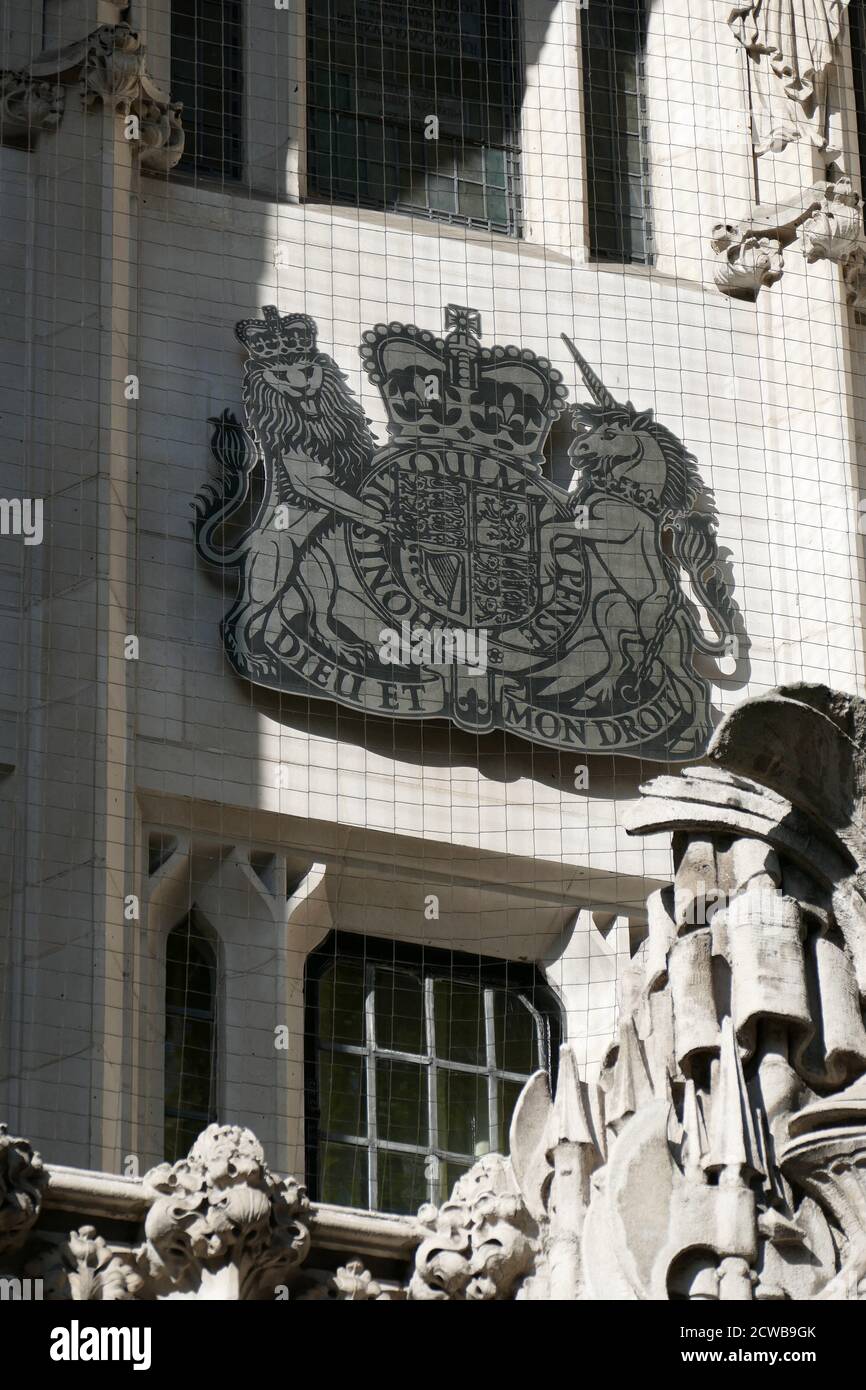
point(444, 574)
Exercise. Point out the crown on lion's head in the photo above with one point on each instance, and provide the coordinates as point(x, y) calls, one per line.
point(277, 335)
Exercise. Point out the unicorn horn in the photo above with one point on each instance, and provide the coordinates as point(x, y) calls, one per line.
point(597, 388)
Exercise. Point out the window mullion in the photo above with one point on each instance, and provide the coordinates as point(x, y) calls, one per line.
point(370, 1041)
point(492, 1084)
point(434, 1182)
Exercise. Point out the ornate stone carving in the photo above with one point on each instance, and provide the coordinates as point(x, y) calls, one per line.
point(28, 105)
point(723, 1153)
point(826, 1154)
point(747, 1003)
point(161, 133)
point(480, 1245)
point(221, 1225)
point(854, 275)
point(749, 260)
point(835, 229)
point(835, 232)
point(791, 50)
point(84, 1268)
point(110, 67)
point(479, 591)
point(22, 1184)
point(556, 1146)
point(352, 1283)
point(826, 222)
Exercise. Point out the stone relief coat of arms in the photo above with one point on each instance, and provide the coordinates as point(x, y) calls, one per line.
point(444, 574)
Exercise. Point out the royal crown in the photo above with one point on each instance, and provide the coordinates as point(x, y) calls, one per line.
point(277, 335)
point(452, 389)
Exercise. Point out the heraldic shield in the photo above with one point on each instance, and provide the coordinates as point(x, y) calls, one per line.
point(444, 574)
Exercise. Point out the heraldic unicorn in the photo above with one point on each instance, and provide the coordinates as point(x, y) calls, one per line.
point(444, 574)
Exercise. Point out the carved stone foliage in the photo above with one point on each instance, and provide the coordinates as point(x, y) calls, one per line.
point(826, 223)
point(221, 1222)
point(112, 67)
point(351, 1283)
point(28, 105)
point(219, 1225)
point(481, 1244)
point(84, 1268)
point(22, 1183)
point(109, 67)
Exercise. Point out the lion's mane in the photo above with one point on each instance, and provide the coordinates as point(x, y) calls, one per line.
point(338, 436)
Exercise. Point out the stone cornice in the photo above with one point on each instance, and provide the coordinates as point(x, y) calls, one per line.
point(92, 1193)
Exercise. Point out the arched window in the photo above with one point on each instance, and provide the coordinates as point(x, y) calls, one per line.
point(614, 108)
point(415, 1059)
point(415, 107)
point(190, 1036)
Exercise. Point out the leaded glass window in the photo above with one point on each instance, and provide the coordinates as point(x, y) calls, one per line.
point(415, 1061)
point(857, 23)
point(190, 1036)
point(617, 161)
point(379, 71)
point(207, 76)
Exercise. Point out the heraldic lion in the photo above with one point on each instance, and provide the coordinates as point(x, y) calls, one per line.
point(303, 455)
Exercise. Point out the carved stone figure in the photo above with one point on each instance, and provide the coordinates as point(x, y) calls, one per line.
point(723, 1153)
point(749, 260)
point(835, 229)
point(791, 47)
point(825, 222)
point(22, 1182)
point(360, 559)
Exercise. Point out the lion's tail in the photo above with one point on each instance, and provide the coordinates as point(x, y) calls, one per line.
point(694, 548)
point(236, 455)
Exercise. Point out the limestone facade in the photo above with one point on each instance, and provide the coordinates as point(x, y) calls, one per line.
point(142, 776)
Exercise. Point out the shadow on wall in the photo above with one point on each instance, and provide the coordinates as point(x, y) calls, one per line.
point(309, 467)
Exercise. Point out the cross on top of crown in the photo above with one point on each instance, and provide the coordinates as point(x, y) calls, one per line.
point(463, 321)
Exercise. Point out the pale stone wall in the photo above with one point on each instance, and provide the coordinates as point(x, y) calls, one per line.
point(129, 274)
